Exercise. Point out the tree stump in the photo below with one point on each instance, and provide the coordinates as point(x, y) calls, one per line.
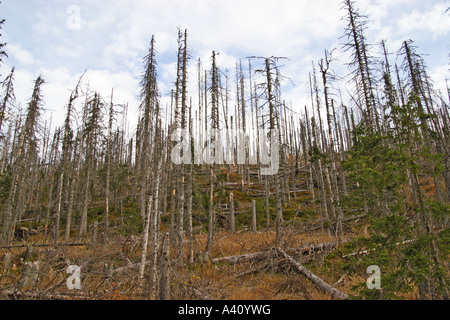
point(30, 276)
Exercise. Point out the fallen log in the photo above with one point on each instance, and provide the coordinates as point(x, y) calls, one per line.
point(255, 270)
point(15, 295)
point(200, 294)
point(369, 251)
point(37, 245)
point(267, 266)
point(272, 193)
point(315, 279)
point(345, 220)
point(130, 267)
point(256, 255)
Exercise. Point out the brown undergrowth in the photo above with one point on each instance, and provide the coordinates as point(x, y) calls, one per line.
point(274, 280)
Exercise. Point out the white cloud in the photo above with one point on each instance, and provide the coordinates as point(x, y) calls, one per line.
point(253, 27)
point(434, 20)
point(23, 85)
point(115, 36)
point(49, 24)
point(22, 56)
point(59, 83)
point(66, 52)
point(440, 75)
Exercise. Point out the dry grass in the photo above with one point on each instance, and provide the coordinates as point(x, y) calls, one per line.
point(215, 281)
point(274, 282)
point(277, 281)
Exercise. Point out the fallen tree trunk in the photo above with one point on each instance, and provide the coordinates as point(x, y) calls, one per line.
point(368, 251)
point(199, 294)
point(130, 267)
point(45, 245)
point(315, 279)
point(345, 220)
point(256, 255)
point(267, 266)
point(15, 295)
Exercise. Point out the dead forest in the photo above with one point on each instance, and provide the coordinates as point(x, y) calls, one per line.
point(186, 207)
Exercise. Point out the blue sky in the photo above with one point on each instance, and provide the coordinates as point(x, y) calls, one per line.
point(113, 37)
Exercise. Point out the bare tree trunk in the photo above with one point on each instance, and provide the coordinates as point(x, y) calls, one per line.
point(279, 211)
point(232, 217)
point(49, 208)
point(84, 214)
point(58, 210)
point(189, 192)
point(319, 173)
point(164, 284)
point(155, 233)
point(72, 188)
point(254, 216)
point(108, 164)
point(266, 199)
point(211, 214)
point(335, 293)
point(212, 169)
point(145, 237)
point(306, 147)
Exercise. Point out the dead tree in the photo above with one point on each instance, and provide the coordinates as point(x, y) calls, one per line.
point(64, 166)
point(356, 43)
point(212, 139)
point(108, 162)
point(181, 92)
point(270, 68)
point(9, 96)
point(24, 152)
point(327, 75)
point(3, 53)
point(150, 106)
point(91, 133)
point(164, 283)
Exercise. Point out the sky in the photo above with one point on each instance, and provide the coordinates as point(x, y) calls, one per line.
point(60, 39)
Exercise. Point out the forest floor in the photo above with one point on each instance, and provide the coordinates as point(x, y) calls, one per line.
point(270, 277)
point(273, 278)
